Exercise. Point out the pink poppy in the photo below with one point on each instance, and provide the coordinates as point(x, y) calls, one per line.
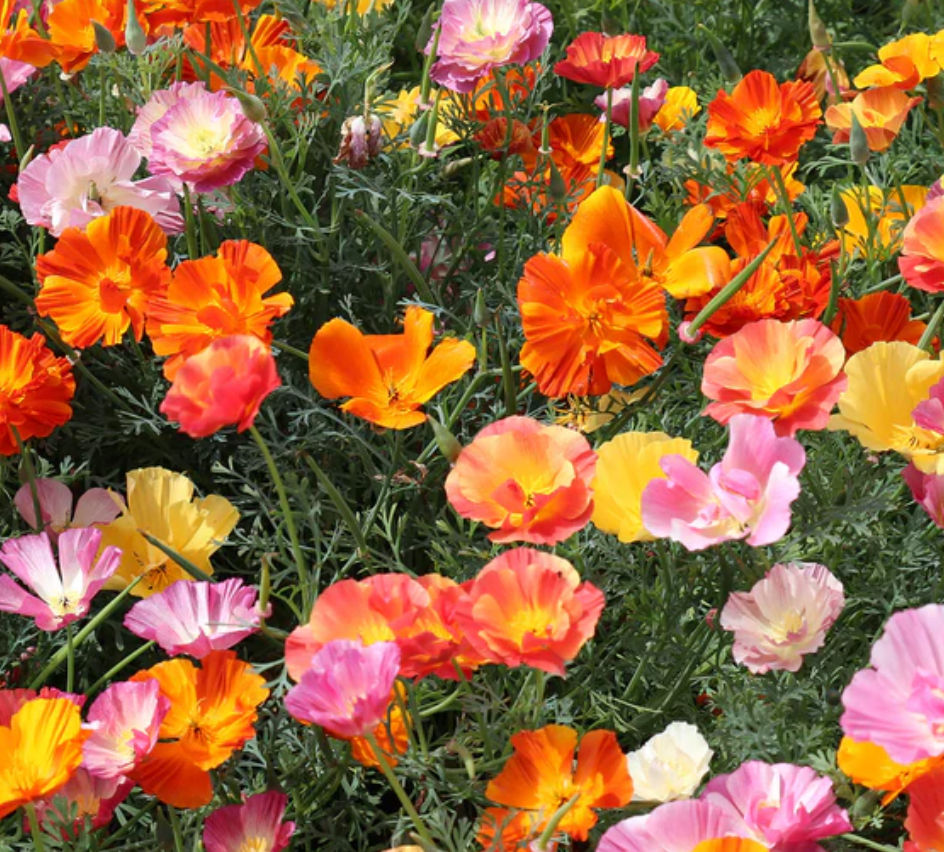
point(96, 507)
point(922, 254)
point(12, 700)
point(928, 492)
point(196, 618)
point(651, 100)
point(83, 797)
point(254, 825)
point(930, 413)
point(65, 590)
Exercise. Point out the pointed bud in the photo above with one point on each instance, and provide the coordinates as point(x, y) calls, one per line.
point(818, 32)
point(104, 40)
point(480, 313)
point(448, 445)
point(729, 68)
point(558, 187)
point(425, 30)
point(858, 143)
point(135, 37)
point(165, 831)
point(418, 130)
point(253, 108)
point(838, 211)
point(27, 158)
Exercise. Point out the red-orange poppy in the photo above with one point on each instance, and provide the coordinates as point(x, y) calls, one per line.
point(19, 42)
point(164, 16)
point(763, 121)
point(215, 297)
point(744, 182)
point(96, 282)
point(606, 61)
point(36, 388)
point(71, 31)
point(925, 821)
point(874, 317)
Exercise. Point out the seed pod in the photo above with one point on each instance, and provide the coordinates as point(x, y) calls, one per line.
point(448, 444)
point(729, 68)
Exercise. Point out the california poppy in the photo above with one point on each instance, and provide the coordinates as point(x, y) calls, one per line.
point(388, 376)
point(874, 317)
point(903, 63)
point(71, 31)
point(880, 113)
point(925, 821)
point(922, 259)
point(609, 62)
point(871, 766)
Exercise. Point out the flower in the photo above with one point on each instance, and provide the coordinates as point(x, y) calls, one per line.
point(164, 16)
point(527, 607)
point(88, 177)
point(126, 719)
point(541, 776)
point(65, 588)
point(476, 36)
point(213, 710)
point(744, 182)
point(388, 376)
point(880, 113)
point(587, 314)
point(746, 495)
point(869, 764)
point(527, 481)
point(786, 808)
point(651, 100)
point(96, 507)
point(609, 62)
point(763, 121)
point(204, 140)
point(874, 317)
point(160, 502)
point(784, 617)
point(886, 383)
point(788, 372)
point(42, 749)
point(922, 260)
point(680, 106)
point(670, 765)
point(925, 822)
point(84, 797)
point(902, 63)
point(215, 297)
point(223, 385)
point(625, 466)
point(71, 30)
point(255, 825)
point(96, 283)
point(346, 688)
point(196, 618)
point(895, 704)
point(36, 388)
point(877, 222)
point(928, 492)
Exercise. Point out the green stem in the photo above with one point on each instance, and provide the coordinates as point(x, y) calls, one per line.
point(508, 376)
point(868, 844)
point(544, 840)
point(633, 137)
point(175, 827)
point(926, 341)
point(9, 287)
point(601, 171)
point(127, 661)
point(299, 557)
point(27, 458)
point(70, 659)
point(291, 350)
point(395, 785)
point(11, 117)
point(344, 510)
point(191, 226)
point(786, 204)
point(419, 282)
point(35, 830)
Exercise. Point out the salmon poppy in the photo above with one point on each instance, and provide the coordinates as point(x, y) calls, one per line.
point(874, 317)
point(922, 256)
point(763, 121)
point(880, 113)
point(387, 376)
point(215, 297)
point(542, 776)
point(212, 713)
point(609, 62)
point(36, 389)
point(96, 282)
point(589, 318)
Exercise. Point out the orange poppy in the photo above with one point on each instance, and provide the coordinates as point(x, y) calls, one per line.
point(164, 16)
point(868, 764)
point(541, 777)
point(71, 31)
point(609, 62)
point(36, 388)
point(903, 63)
point(745, 182)
point(41, 748)
point(824, 74)
point(925, 822)
point(880, 112)
point(392, 736)
point(213, 710)
point(388, 376)
point(763, 121)
point(215, 297)
point(97, 282)
point(589, 318)
point(679, 107)
point(19, 42)
point(877, 316)
point(507, 830)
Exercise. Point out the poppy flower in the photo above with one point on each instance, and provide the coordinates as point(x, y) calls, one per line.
point(165, 16)
point(680, 106)
point(212, 713)
point(96, 282)
point(36, 389)
point(530, 608)
point(671, 765)
point(392, 734)
point(763, 121)
point(215, 297)
point(880, 113)
point(256, 824)
point(651, 100)
point(743, 182)
point(70, 29)
point(903, 63)
point(528, 481)
point(925, 822)
point(388, 376)
point(96, 507)
point(922, 259)
point(161, 503)
point(877, 218)
point(825, 71)
point(869, 764)
point(609, 62)
point(21, 46)
point(85, 798)
point(874, 317)
point(789, 372)
point(542, 775)
point(928, 492)
point(589, 318)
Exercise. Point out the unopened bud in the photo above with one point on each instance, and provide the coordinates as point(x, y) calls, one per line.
point(135, 37)
point(729, 68)
point(818, 32)
point(838, 211)
point(935, 87)
point(253, 108)
point(909, 12)
point(425, 30)
point(480, 312)
point(104, 40)
point(558, 187)
point(360, 140)
point(448, 444)
point(858, 143)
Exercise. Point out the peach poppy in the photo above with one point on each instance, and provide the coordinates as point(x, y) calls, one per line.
point(542, 775)
point(880, 112)
point(925, 822)
point(213, 710)
point(825, 72)
point(871, 766)
point(36, 388)
point(42, 748)
point(902, 63)
point(763, 121)
point(874, 317)
point(387, 376)
point(877, 222)
point(216, 297)
point(788, 372)
point(527, 481)
point(609, 62)
point(680, 106)
point(922, 256)
point(527, 607)
point(96, 282)
point(589, 318)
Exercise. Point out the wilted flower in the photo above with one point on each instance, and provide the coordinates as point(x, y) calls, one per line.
point(783, 617)
point(95, 507)
point(361, 140)
point(609, 62)
point(65, 586)
point(922, 258)
point(670, 765)
point(254, 826)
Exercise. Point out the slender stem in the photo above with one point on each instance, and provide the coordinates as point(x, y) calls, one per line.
point(122, 664)
point(633, 137)
point(291, 350)
point(70, 659)
point(508, 376)
point(868, 844)
point(30, 478)
point(299, 557)
point(601, 170)
point(11, 117)
point(191, 226)
point(35, 830)
point(395, 785)
point(927, 339)
point(350, 519)
point(175, 827)
point(786, 204)
point(9, 287)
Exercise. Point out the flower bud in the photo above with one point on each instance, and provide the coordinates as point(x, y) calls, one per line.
point(135, 37)
point(480, 312)
point(818, 33)
point(729, 68)
point(838, 211)
point(104, 40)
point(448, 444)
point(361, 139)
point(858, 143)
point(558, 187)
point(253, 108)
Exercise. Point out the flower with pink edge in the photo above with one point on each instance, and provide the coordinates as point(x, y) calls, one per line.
point(651, 100)
point(928, 492)
point(96, 507)
point(254, 825)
